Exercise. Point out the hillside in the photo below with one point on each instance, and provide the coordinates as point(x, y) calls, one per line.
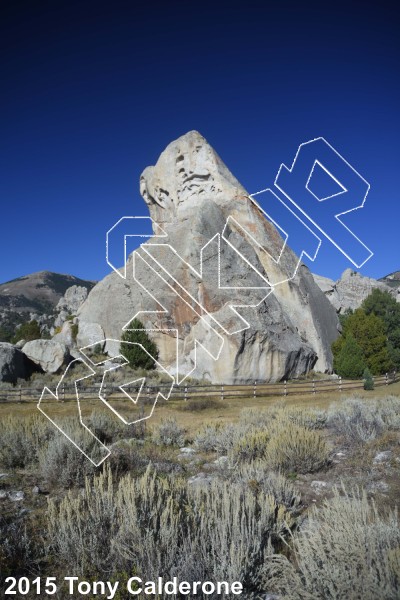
point(33, 296)
point(393, 279)
point(39, 291)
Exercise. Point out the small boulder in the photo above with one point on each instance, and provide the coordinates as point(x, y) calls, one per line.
point(319, 486)
point(187, 450)
point(16, 496)
point(49, 355)
point(201, 480)
point(221, 461)
point(379, 486)
point(382, 457)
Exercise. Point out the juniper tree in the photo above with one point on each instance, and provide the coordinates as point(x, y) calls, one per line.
point(134, 353)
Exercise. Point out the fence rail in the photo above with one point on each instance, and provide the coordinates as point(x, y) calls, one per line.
point(223, 392)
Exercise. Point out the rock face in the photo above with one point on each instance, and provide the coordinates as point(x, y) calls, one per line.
point(49, 355)
point(192, 195)
point(66, 335)
point(89, 333)
point(69, 304)
point(13, 363)
point(392, 280)
point(351, 289)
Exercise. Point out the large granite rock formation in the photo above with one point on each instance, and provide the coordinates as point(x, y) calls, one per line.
point(191, 194)
point(351, 289)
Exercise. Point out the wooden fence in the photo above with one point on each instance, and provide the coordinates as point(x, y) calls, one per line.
point(223, 392)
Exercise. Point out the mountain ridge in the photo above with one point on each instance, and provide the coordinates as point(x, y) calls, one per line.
point(34, 296)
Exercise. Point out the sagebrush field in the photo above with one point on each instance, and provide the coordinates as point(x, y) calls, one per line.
point(291, 499)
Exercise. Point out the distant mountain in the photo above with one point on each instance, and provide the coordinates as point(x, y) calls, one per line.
point(38, 292)
point(393, 279)
point(33, 296)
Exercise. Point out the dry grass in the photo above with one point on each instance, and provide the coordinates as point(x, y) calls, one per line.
point(192, 420)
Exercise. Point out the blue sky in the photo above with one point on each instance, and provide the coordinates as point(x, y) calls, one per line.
point(92, 92)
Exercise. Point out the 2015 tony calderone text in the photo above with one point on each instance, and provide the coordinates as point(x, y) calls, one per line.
point(48, 586)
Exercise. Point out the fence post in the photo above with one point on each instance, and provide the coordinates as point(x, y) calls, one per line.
point(63, 392)
point(285, 388)
point(255, 389)
point(313, 386)
point(186, 393)
point(340, 384)
point(386, 379)
point(222, 392)
point(20, 393)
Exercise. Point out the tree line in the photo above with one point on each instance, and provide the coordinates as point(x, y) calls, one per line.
point(370, 339)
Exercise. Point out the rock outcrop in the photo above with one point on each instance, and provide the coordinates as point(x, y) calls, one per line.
point(392, 280)
point(69, 304)
point(193, 196)
point(351, 289)
point(13, 363)
point(35, 297)
point(49, 355)
point(66, 336)
point(89, 334)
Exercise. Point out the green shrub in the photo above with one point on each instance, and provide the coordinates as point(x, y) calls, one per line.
point(61, 463)
point(105, 425)
point(294, 449)
point(311, 418)
point(250, 446)
point(165, 526)
point(348, 357)
point(169, 433)
point(27, 331)
point(257, 477)
point(357, 421)
point(385, 306)
point(21, 440)
point(368, 380)
point(360, 421)
point(364, 339)
point(216, 437)
point(344, 550)
point(126, 455)
point(133, 353)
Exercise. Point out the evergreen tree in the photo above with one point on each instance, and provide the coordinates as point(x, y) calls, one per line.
point(5, 334)
point(344, 316)
point(368, 380)
point(348, 359)
point(27, 331)
point(137, 357)
point(369, 331)
point(383, 305)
